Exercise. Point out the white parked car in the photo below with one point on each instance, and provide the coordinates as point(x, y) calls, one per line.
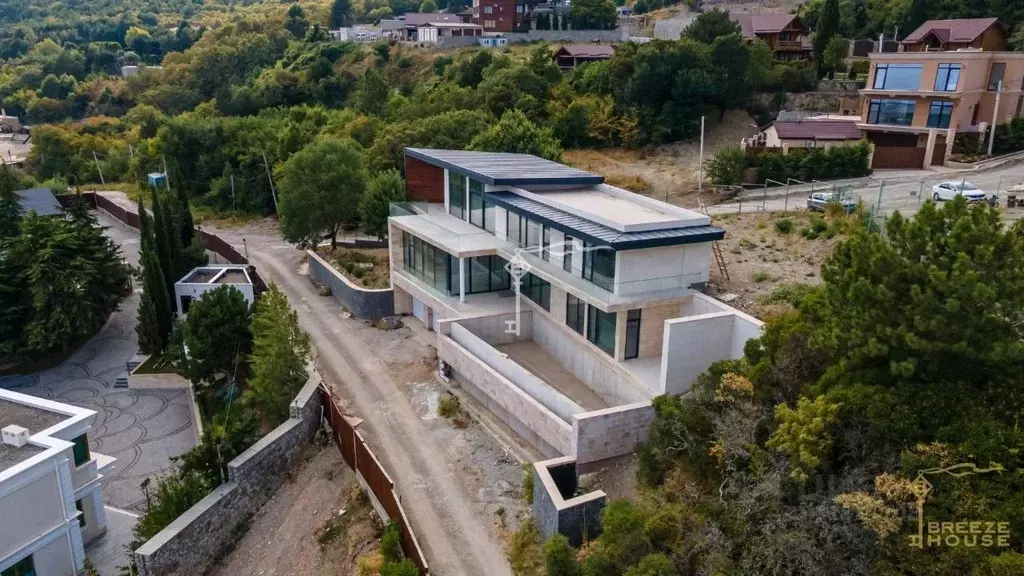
point(952, 189)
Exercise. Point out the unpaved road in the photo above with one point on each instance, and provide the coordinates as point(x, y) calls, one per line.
point(455, 530)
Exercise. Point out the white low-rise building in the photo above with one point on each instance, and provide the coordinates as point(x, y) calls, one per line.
point(611, 312)
point(205, 278)
point(51, 502)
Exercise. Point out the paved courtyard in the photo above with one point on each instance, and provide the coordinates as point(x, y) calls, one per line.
point(143, 429)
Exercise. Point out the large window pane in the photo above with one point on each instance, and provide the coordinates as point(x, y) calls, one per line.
point(601, 329)
point(533, 233)
point(428, 264)
point(898, 112)
point(453, 275)
point(947, 77)
point(457, 195)
point(476, 203)
point(479, 275)
point(81, 450)
point(499, 275)
point(996, 75)
point(567, 254)
point(897, 77)
point(939, 114)
point(599, 266)
point(575, 312)
point(514, 232)
point(489, 216)
point(537, 289)
point(545, 244)
point(632, 334)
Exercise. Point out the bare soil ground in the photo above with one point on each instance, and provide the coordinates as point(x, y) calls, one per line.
point(669, 172)
point(759, 258)
point(318, 523)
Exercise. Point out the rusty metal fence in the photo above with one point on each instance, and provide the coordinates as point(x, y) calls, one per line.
point(360, 459)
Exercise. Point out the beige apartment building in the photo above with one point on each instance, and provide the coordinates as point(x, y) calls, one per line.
point(915, 103)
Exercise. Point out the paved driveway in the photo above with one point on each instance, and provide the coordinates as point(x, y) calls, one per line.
point(143, 429)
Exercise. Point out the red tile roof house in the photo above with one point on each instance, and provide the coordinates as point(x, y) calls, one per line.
point(948, 35)
point(809, 134)
point(785, 34)
point(571, 55)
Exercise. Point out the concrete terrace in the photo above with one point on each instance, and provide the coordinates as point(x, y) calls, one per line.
point(532, 357)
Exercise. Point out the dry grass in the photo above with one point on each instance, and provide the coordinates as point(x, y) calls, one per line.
point(369, 268)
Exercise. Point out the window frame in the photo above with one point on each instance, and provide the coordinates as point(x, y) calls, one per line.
point(568, 248)
point(993, 81)
point(576, 314)
point(605, 281)
point(886, 77)
point(81, 451)
point(633, 333)
point(945, 72)
point(24, 567)
point(939, 110)
point(463, 202)
point(594, 331)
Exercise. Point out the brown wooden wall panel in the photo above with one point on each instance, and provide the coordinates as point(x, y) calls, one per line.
point(424, 181)
point(897, 157)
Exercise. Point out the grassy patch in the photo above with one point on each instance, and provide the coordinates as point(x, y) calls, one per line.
point(157, 364)
point(760, 276)
point(783, 225)
point(747, 244)
point(789, 293)
point(632, 183)
point(527, 486)
point(524, 551)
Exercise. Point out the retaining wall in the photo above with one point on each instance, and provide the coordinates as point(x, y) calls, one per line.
point(577, 36)
point(361, 302)
point(611, 432)
point(528, 417)
point(692, 344)
point(534, 387)
point(197, 538)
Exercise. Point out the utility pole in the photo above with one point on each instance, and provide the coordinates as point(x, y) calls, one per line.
point(273, 193)
point(995, 118)
point(167, 177)
point(700, 177)
point(97, 161)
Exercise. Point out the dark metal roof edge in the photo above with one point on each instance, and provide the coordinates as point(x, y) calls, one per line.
point(712, 233)
point(535, 181)
point(433, 161)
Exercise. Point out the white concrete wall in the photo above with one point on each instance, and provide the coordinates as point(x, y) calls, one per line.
point(662, 268)
point(517, 409)
point(694, 343)
point(611, 432)
point(493, 329)
point(587, 363)
point(37, 506)
point(536, 388)
point(698, 304)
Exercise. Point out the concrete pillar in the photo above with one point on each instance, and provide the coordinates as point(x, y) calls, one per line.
point(929, 148)
point(950, 136)
point(462, 279)
point(620, 336)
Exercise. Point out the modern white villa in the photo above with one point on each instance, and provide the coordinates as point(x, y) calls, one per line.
point(611, 312)
point(51, 503)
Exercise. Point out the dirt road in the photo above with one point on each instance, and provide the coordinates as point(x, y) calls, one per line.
point(450, 484)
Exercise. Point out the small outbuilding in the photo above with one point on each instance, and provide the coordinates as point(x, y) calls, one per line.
point(569, 56)
point(203, 279)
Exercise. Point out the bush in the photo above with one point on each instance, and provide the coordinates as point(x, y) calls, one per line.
point(783, 225)
point(761, 276)
point(728, 166)
point(391, 543)
point(559, 557)
point(403, 568)
point(524, 551)
point(448, 406)
point(527, 486)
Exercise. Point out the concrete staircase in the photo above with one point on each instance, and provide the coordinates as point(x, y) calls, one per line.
point(122, 379)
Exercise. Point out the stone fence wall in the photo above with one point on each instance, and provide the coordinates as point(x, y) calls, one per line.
point(190, 544)
point(361, 302)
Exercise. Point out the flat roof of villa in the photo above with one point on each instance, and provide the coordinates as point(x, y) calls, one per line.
point(500, 168)
point(600, 234)
point(12, 455)
point(33, 419)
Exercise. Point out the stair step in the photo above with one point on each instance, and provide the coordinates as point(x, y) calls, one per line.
point(121, 381)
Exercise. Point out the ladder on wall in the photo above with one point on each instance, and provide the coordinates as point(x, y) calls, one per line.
point(716, 249)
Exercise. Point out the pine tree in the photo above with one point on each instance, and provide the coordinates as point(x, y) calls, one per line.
point(183, 213)
point(155, 287)
point(279, 352)
point(10, 210)
point(828, 26)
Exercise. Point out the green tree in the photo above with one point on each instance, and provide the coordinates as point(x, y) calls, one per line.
point(728, 166)
point(515, 133)
point(10, 208)
point(828, 26)
point(217, 334)
point(172, 496)
point(834, 58)
point(559, 557)
point(279, 353)
point(161, 227)
point(710, 25)
point(653, 565)
point(428, 6)
point(295, 21)
point(340, 10)
point(918, 14)
point(804, 433)
point(320, 189)
point(147, 327)
point(593, 15)
point(382, 189)
point(371, 95)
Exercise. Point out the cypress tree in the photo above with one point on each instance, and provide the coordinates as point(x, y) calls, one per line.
point(155, 314)
point(183, 213)
point(173, 241)
point(162, 242)
point(147, 328)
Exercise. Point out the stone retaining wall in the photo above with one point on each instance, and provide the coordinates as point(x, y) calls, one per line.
point(573, 36)
point(191, 544)
point(361, 302)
